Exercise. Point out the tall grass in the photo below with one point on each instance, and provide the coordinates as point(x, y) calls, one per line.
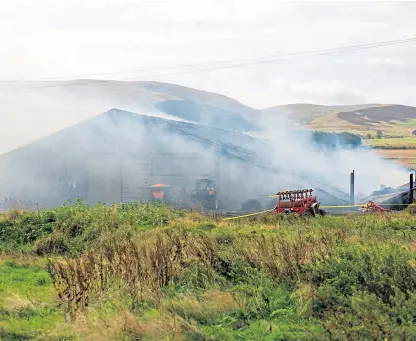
point(149, 272)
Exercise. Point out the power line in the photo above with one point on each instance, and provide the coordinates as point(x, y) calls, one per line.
point(254, 61)
point(333, 50)
point(293, 56)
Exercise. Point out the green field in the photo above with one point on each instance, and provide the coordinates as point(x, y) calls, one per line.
point(394, 142)
point(141, 272)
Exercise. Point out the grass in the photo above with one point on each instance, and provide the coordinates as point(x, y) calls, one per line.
point(27, 307)
point(141, 272)
point(394, 142)
point(25, 280)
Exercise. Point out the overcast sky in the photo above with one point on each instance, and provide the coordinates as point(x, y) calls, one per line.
point(61, 37)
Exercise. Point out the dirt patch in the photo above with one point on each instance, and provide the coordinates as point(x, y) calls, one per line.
point(406, 157)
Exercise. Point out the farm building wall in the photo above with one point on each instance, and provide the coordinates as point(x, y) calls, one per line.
point(49, 178)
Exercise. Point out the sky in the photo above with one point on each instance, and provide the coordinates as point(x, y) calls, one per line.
point(52, 38)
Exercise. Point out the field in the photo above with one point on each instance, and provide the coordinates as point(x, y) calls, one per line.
point(393, 142)
point(405, 157)
point(142, 272)
point(402, 149)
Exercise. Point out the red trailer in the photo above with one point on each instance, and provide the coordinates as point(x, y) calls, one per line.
point(301, 202)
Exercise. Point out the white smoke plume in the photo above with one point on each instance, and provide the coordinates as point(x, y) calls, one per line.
point(300, 155)
point(38, 171)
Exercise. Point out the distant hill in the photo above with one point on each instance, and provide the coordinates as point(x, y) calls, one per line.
point(305, 113)
point(199, 96)
point(369, 116)
point(394, 120)
point(207, 115)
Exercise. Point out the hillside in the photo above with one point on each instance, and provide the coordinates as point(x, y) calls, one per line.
point(145, 93)
point(305, 113)
point(394, 120)
point(363, 119)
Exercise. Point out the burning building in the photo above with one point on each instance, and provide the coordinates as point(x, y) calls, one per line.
point(116, 156)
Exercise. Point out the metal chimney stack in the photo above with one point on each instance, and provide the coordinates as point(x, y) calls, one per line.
point(352, 175)
point(411, 185)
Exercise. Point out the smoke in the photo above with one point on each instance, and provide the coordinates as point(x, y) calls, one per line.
point(112, 157)
point(108, 158)
point(43, 108)
point(299, 154)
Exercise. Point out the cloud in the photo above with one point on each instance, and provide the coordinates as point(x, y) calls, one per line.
point(65, 37)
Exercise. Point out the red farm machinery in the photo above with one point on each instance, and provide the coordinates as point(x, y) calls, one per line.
point(300, 202)
point(372, 207)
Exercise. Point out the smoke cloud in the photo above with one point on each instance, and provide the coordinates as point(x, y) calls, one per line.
point(114, 156)
point(300, 155)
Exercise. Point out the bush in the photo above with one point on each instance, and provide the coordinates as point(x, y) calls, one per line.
point(26, 227)
point(79, 225)
point(376, 271)
point(366, 294)
point(56, 243)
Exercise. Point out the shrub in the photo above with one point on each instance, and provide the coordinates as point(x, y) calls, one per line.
point(79, 225)
point(56, 243)
point(376, 271)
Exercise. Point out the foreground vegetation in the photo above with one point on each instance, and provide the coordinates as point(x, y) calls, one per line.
point(141, 272)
